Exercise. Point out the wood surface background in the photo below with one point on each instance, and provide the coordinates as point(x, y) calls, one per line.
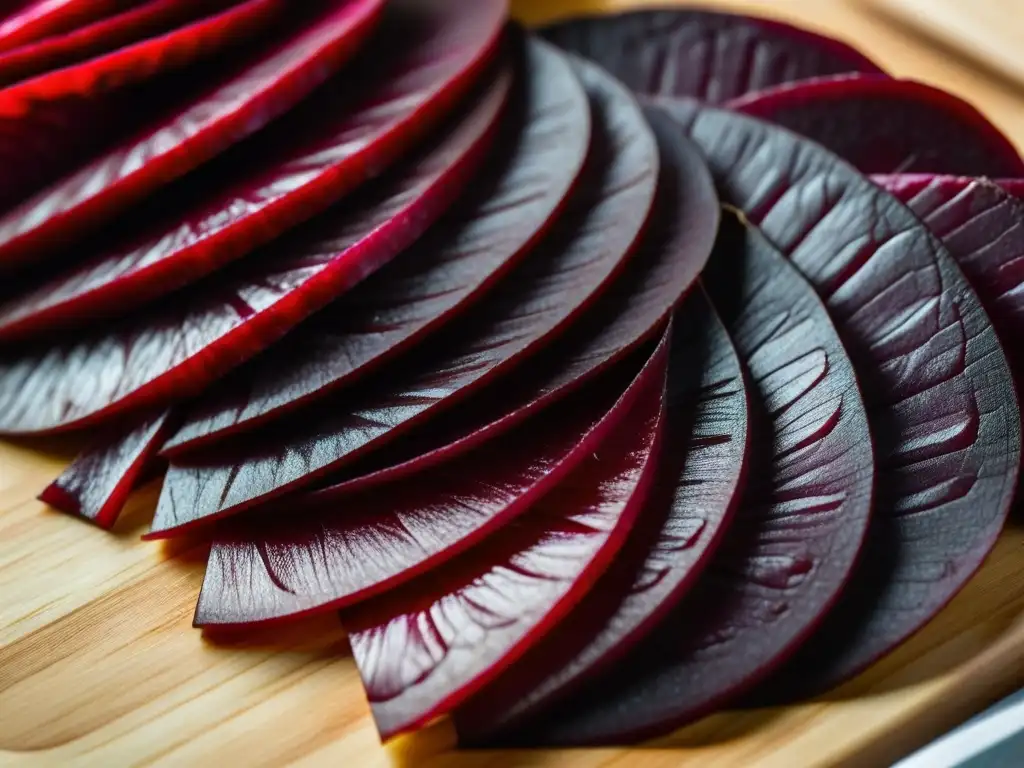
point(99, 664)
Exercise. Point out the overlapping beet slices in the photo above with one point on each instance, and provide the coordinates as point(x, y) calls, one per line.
point(38, 19)
point(425, 648)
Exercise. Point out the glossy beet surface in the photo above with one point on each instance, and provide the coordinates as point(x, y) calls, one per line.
point(712, 56)
point(237, 104)
point(883, 125)
point(535, 304)
point(331, 555)
point(696, 490)
point(330, 145)
point(423, 649)
point(510, 206)
point(177, 349)
point(98, 482)
point(38, 19)
point(936, 382)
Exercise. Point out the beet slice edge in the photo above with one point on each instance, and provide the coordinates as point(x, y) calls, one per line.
point(39, 19)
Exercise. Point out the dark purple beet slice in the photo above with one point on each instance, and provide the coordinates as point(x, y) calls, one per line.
point(236, 105)
point(883, 125)
point(795, 537)
point(320, 557)
point(937, 385)
point(512, 205)
point(533, 306)
point(696, 491)
point(713, 56)
point(99, 481)
point(332, 144)
point(39, 19)
point(423, 649)
point(176, 350)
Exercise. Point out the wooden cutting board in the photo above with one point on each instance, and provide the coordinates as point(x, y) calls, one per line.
point(99, 664)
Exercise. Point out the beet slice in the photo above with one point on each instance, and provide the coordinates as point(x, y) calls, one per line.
point(306, 162)
point(97, 484)
point(236, 105)
point(536, 303)
point(699, 482)
point(38, 19)
point(1014, 186)
point(320, 557)
point(175, 351)
point(514, 203)
point(936, 382)
point(883, 125)
point(423, 649)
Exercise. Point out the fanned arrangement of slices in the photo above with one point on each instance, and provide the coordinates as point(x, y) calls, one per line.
point(597, 378)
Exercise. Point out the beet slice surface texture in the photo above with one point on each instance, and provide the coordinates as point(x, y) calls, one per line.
point(303, 164)
point(696, 491)
point(513, 203)
point(42, 18)
point(882, 125)
point(175, 351)
point(237, 105)
point(98, 482)
point(423, 649)
point(321, 557)
point(531, 308)
point(712, 56)
point(937, 386)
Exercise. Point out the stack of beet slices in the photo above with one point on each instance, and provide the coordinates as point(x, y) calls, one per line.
point(598, 379)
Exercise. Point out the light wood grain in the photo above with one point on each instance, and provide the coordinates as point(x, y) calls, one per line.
point(99, 664)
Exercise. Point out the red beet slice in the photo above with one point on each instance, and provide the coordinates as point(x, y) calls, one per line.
point(277, 566)
point(713, 56)
point(514, 203)
point(1014, 186)
point(695, 493)
point(38, 19)
point(306, 162)
point(883, 125)
point(536, 303)
point(235, 106)
point(175, 351)
point(423, 649)
point(936, 382)
point(98, 482)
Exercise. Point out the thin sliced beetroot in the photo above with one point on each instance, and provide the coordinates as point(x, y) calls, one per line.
point(99, 481)
point(315, 558)
point(236, 105)
point(697, 488)
point(38, 19)
point(882, 125)
point(936, 382)
point(712, 56)
point(176, 350)
point(512, 205)
point(1014, 186)
point(424, 649)
point(532, 307)
point(330, 145)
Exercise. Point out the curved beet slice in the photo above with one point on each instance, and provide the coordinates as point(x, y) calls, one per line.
point(302, 165)
point(514, 203)
point(423, 649)
point(534, 305)
point(1014, 186)
point(177, 350)
point(713, 56)
point(697, 488)
point(39, 19)
point(237, 105)
point(99, 481)
point(330, 556)
point(936, 382)
point(883, 125)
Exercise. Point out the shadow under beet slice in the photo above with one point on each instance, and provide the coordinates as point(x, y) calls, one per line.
point(425, 648)
point(712, 56)
point(319, 557)
point(529, 309)
point(177, 349)
point(512, 204)
point(882, 125)
point(697, 488)
point(937, 386)
point(237, 104)
point(39, 19)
